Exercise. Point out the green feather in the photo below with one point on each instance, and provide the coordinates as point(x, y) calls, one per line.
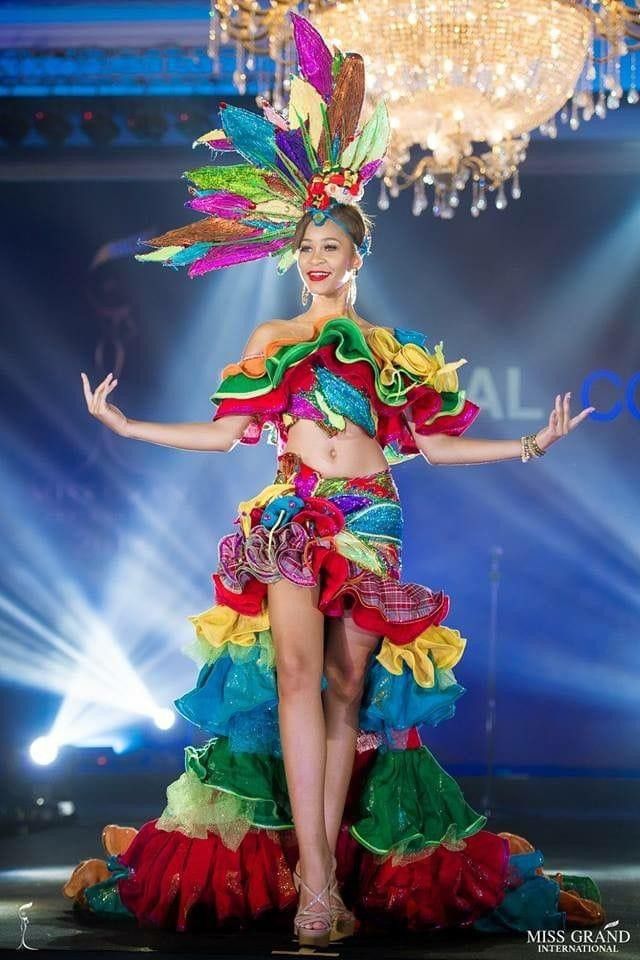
point(326, 132)
point(158, 256)
point(241, 178)
point(372, 141)
point(309, 149)
point(336, 63)
point(286, 259)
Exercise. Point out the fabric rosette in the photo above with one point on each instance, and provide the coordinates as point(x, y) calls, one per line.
point(280, 539)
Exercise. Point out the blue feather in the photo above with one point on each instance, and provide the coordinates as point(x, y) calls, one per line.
point(253, 136)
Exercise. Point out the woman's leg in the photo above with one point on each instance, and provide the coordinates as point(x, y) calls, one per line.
point(297, 628)
point(346, 658)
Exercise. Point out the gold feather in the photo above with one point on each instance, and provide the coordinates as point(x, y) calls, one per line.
point(305, 101)
point(278, 209)
point(346, 103)
point(209, 230)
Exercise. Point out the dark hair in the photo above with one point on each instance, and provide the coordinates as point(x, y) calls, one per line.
point(355, 221)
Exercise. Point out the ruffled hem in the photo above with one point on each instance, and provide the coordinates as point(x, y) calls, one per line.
point(394, 371)
point(170, 881)
point(447, 887)
point(236, 692)
point(399, 611)
point(181, 883)
point(485, 881)
point(409, 803)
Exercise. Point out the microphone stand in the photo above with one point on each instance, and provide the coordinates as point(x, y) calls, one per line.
point(490, 712)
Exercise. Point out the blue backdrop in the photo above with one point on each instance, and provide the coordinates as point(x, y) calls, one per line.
point(108, 544)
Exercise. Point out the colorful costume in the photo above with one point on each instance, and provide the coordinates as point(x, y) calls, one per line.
point(411, 850)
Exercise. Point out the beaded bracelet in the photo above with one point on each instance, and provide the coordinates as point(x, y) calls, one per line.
point(530, 448)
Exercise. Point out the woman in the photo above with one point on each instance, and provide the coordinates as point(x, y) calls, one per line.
point(316, 654)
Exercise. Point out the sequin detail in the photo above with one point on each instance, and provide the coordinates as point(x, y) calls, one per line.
point(330, 401)
point(360, 517)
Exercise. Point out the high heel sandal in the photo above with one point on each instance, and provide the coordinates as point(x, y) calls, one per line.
point(343, 921)
point(309, 936)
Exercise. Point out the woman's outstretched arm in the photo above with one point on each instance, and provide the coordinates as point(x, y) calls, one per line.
point(219, 435)
point(440, 449)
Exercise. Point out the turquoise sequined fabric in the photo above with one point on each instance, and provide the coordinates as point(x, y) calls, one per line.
point(330, 401)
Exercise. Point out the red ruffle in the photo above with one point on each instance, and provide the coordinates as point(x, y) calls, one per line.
point(423, 401)
point(383, 605)
point(447, 888)
point(181, 883)
point(248, 602)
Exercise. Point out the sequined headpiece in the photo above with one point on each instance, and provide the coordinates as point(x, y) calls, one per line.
point(314, 158)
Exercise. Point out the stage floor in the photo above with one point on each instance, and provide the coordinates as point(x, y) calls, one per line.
point(35, 866)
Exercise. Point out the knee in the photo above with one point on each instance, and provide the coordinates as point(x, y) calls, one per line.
point(345, 683)
point(295, 676)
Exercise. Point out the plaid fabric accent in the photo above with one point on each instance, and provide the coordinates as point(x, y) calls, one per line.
point(397, 602)
point(380, 601)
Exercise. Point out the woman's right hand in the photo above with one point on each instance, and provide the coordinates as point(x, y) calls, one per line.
point(98, 407)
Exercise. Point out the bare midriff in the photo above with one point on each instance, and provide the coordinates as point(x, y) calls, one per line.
point(350, 453)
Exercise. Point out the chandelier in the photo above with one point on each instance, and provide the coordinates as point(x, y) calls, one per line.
point(466, 81)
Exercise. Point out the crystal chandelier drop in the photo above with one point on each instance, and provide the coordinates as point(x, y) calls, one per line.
point(466, 80)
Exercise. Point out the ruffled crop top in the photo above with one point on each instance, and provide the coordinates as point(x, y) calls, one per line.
point(377, 378)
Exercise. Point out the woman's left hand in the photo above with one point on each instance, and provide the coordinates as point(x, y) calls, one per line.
point(560, 422)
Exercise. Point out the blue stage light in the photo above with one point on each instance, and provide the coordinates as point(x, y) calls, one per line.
point(44, 751)
point(164, 718)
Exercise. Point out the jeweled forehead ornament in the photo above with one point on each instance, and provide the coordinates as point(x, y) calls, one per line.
point(312, 156)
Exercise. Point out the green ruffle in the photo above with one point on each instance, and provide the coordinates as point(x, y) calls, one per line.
point(409, 803)
point(255, 777)
point(351, 347)
point(197, 810)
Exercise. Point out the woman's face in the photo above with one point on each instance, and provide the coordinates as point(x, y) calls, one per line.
point(326, 258)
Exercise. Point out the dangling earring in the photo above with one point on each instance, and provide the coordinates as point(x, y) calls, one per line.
point(304, 297)
point(353, 288)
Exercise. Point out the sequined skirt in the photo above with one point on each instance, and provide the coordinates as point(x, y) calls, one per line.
point(302, 512)
point(343, 534)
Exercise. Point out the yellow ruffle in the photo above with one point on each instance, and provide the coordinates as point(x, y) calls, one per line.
point(394, 357)
point(260, 499)
point(446, 379)
point(439, 646)
point(220, 624)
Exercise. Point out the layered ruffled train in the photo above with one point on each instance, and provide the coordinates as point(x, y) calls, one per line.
point(412, 853)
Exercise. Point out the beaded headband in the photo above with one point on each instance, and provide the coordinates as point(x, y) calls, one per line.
point(309, 157)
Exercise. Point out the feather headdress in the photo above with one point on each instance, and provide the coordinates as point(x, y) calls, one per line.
point(314, 158)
